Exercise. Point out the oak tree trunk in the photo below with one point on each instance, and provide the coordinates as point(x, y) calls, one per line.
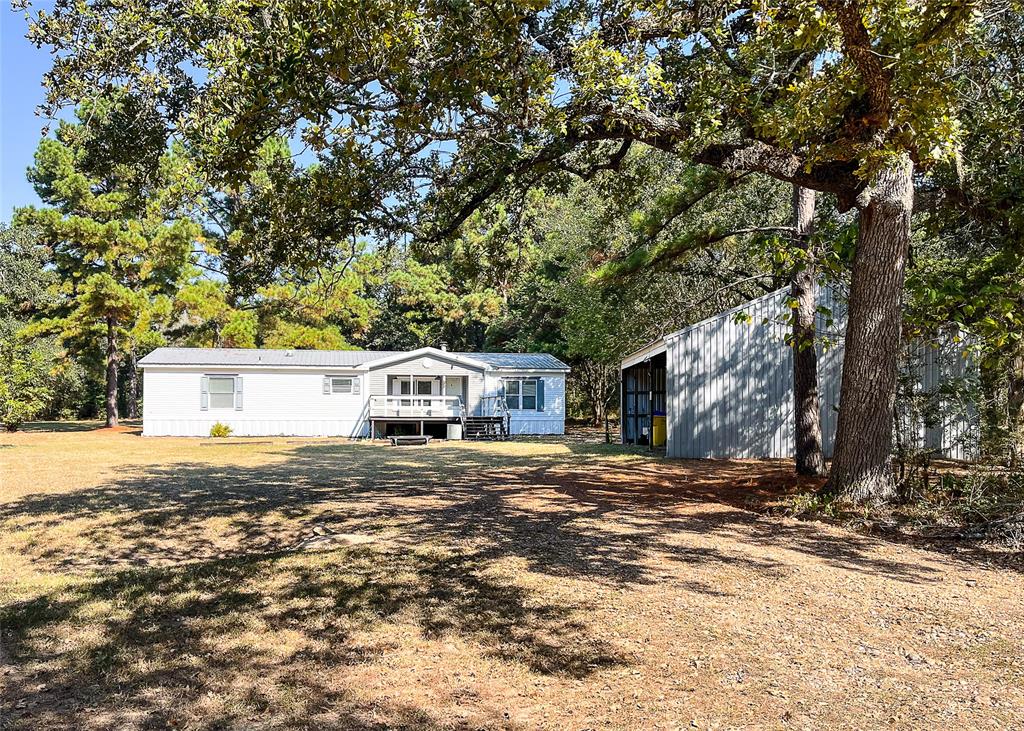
point(810, 459)
point(111, 372)
point(862, 463)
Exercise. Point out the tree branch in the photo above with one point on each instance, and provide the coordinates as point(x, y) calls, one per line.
point(756, 156)
point(857, 43)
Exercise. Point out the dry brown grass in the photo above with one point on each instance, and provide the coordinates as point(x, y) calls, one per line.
point(154, 583)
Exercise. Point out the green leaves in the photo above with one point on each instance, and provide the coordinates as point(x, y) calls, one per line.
point(115, 243)
point(419, 112)
point(102, 297)
point(26, 382)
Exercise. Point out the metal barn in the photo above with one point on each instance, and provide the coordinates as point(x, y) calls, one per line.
point(725, 385)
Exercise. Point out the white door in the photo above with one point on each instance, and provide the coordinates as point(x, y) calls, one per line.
point(453, 386)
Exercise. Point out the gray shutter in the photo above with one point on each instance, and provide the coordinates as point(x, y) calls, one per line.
point(327, 384)
point(356, 384)
point(238, 393)
point(540, 394)
point(204, 393)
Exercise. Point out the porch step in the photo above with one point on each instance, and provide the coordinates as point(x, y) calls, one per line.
point(410, 439)
point(485, 427)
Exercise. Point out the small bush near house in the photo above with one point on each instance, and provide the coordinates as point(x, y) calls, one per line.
point(220, 430)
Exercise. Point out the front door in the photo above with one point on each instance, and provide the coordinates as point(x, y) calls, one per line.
point(453, 387)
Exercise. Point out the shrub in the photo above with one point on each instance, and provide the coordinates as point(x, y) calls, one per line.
point(220, 430)
point(25, 383)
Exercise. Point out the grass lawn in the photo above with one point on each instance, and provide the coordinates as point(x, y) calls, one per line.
point(284, 583)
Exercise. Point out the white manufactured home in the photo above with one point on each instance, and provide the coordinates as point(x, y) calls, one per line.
point(352, 393)
point(724, 386)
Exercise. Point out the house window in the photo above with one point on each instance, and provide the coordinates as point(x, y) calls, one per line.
point(512, 389)
point(524, 394)
point(423, 387)
point(222, 392)
point(530, 395)
point(341, 384)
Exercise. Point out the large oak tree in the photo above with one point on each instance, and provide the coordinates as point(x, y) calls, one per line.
point(421, 111)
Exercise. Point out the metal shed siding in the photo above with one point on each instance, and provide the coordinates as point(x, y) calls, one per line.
point(956, 433)
point(731, 384)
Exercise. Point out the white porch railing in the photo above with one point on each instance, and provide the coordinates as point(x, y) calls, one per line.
point(494, 406)
point(438, 407)
point(497, 406)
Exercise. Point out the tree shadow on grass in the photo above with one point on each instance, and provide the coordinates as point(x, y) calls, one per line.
point(572, 514)
point(194, 558)
point(753, 488)
point(510, 505)
point(166, 637)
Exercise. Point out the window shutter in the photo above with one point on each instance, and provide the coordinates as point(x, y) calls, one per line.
point(327, 384)
point(238, 393)
point(204, 393)
point(355, 384)
point(540, 394)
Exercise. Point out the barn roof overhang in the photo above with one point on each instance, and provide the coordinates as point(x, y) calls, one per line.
point(650, 350)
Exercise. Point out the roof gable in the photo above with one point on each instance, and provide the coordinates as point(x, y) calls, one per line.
point(434, 353)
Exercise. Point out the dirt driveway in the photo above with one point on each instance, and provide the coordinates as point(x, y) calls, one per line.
point(265, 584)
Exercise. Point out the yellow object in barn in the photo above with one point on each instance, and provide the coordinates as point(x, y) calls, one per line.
point(659, 432)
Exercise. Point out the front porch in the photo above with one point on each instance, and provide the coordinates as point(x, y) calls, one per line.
point(433, 414)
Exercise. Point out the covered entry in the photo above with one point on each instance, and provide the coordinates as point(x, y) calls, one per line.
point(643, 395)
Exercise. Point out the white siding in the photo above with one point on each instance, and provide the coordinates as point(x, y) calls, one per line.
point(730, 384)
point(378, 377)
point(275, 402)
point(549, 421)
point(283, 402)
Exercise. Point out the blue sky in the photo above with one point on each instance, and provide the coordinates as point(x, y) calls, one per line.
point(21, 71)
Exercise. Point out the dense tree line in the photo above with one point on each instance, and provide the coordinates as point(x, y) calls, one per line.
point(113, 267)
point(570, 175)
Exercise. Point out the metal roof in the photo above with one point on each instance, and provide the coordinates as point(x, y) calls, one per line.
point(329, 358)
point(650, 350)
point(660, 345)
point(519, 361)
